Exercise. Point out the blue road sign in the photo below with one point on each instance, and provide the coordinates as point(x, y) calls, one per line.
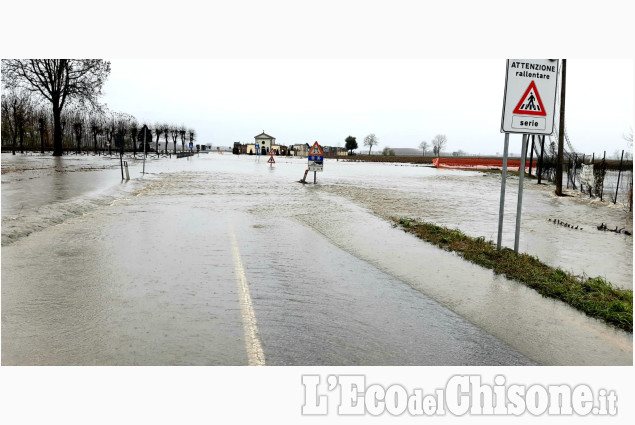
point(316, 158)
point(191, 145)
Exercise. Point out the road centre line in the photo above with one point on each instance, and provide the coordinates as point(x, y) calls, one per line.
point(255, 355)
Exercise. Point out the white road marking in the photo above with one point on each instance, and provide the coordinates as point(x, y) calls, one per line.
point(255, 355)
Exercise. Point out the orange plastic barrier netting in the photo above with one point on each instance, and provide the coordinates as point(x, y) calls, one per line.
point(479, 163)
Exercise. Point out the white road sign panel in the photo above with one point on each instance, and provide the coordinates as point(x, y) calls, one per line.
point(529, 105)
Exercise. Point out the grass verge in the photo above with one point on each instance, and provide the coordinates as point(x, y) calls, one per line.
point(594, 296)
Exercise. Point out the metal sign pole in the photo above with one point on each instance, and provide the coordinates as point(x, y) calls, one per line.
point(501, 209)
point(144, 150)
point(521, 174)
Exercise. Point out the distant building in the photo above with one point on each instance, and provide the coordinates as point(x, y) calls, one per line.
point(334, 151)
point(301, 149)
point(266, 143)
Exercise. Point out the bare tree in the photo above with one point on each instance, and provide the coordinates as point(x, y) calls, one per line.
point(59, 81)
point(423, 146)
point(165, 128)
point(439, 143)
point(110, 130)
point(119, 126)
point(174, 132)
point(134, 130)
point(42, 120)
point(121, 129)
point(370, 141)
point(158, 131)
point(15, 105)
point(182, 133)
point(96, 128)
point(78, 128)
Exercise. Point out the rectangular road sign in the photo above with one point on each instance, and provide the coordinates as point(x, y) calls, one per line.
point(316, 162)
point(529, 104)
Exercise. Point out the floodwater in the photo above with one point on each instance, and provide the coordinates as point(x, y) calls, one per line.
point(206, 260)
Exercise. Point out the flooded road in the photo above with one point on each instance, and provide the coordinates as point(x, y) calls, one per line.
point(224, 260)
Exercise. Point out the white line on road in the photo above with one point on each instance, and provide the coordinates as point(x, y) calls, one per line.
point(255, 355)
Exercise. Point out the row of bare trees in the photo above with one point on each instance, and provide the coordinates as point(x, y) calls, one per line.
point(53, 103)
point(28, 125)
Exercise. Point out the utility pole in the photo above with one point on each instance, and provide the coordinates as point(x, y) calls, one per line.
point(559, 162)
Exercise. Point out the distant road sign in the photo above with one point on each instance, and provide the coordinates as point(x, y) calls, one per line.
point(257, 149)
point(530, 96)
point(316, 158)
point(316, 149)
point(191, 145)
point(271, 160)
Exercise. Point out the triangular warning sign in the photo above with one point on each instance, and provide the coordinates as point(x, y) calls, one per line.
point(530, 102)
point(316, 150)
point(271, 160)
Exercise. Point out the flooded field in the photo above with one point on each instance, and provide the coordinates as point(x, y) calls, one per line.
point(100, 271)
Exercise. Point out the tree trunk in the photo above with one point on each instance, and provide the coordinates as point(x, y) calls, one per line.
point(42, 137)
point(21, 131)
point(57, 128)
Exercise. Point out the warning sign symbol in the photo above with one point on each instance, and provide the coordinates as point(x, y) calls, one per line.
point(316, 149)
point(530, 102)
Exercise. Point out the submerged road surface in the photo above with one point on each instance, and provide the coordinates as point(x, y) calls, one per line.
point(180, 273)
point(232, 262)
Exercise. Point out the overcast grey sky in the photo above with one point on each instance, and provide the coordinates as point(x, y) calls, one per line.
point(321, 70)
point(402, 101)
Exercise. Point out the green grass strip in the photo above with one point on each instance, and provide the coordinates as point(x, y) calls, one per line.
point(594, 296)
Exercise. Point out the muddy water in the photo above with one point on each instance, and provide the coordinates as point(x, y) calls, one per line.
point(469, 201)
point(100, 272)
